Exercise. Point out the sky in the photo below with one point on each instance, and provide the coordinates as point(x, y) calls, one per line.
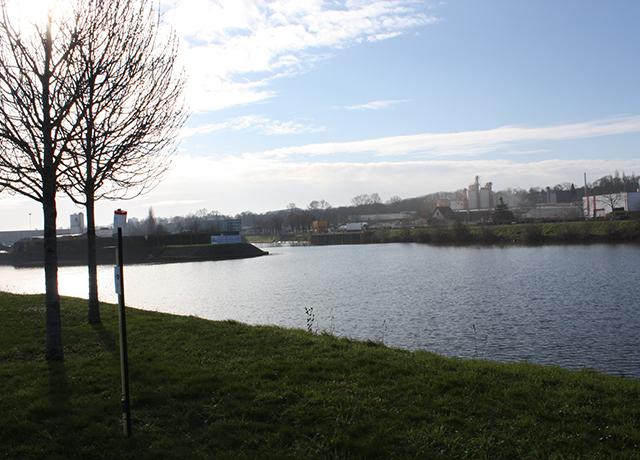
point(292, 101)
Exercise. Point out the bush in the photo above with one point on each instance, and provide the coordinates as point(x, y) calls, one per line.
point(567, 232)
point(405, 235)
point(440, 235)
point(613, 231)
point(460, 233)
point(487, 235)
point(531, 233)
point(422, 236)
point(623, 231)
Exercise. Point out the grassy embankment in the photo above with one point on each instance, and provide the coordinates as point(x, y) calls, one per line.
point(203, 389)
point(538, 233)
point(531, 233)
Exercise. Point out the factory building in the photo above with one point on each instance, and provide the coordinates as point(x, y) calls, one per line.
point(480, 197)
point(603, 205)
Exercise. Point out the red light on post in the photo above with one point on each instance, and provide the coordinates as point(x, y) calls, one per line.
point(119, 219)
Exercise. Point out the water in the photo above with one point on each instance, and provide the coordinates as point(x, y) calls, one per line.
point(574, 306)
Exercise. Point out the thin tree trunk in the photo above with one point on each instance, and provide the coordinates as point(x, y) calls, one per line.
point(53, 322)
point(92, 266)
point(89, 189)
point(52, 305)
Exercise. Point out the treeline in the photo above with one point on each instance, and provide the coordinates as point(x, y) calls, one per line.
point(295, 219)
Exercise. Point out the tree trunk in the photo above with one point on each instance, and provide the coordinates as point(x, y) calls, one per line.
point(52, 304)
point(92, 265)
point(53, 326)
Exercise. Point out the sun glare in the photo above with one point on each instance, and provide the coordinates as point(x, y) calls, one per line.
point(34, 12)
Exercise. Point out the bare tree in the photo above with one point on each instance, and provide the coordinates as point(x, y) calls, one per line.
point(365, 199)
point(324, 205)
point(360, 200)
point(610, 202)
point(37, 120)
point(131, 110)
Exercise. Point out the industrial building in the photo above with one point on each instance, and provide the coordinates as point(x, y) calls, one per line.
point(76, 227)
point(443, 214)
point(387, 220)
point(553, 212)
point(480, 197)
point(602, 205)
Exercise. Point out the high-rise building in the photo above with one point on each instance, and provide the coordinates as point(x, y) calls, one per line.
point(76, 223)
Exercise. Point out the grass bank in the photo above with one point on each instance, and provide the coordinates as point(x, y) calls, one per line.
point(203, 389)
point(532, 233)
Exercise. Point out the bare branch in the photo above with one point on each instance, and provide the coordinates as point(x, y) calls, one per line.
point(131, 105)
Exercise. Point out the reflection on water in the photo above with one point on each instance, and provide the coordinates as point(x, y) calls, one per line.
point(575, 306)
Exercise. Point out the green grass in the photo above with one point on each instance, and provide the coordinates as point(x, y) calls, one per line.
point(531, 233)
point(203, 389)
point(571, 232)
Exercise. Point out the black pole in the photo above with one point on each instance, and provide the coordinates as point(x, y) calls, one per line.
point(124, 355)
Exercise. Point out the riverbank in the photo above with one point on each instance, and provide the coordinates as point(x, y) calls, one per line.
point(582, 232)
point(72, 251)
point(203, 389)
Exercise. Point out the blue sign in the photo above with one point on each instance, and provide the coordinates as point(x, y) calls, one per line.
point(226, 239)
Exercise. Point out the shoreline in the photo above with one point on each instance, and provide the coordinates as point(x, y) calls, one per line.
point(204, 388)
point(137, 250)
point(529, 234)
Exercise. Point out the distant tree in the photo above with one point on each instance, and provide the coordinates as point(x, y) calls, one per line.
point(274, 222)
point(364, 199)
point(314, 205)
point(248, 218)
point(360, 200)
point(394, 199)
point(502, 214)
point(177, 222)
point(150, 223)
point(573, 194)
point(299, 220)
point(324, 205)
point(618, 184)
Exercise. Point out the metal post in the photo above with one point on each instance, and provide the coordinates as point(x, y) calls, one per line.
point(124, 355)
point(586, 194)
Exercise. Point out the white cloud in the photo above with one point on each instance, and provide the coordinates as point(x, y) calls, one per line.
point(464, 143)
point(376, 105)
point(256, 123)
point(233, 49)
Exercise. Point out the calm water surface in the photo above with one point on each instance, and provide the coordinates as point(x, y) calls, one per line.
point(574, 306)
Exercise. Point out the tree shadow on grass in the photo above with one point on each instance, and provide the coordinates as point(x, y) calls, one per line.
point(58, 385)
point(107, 338)
point(60, 409)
